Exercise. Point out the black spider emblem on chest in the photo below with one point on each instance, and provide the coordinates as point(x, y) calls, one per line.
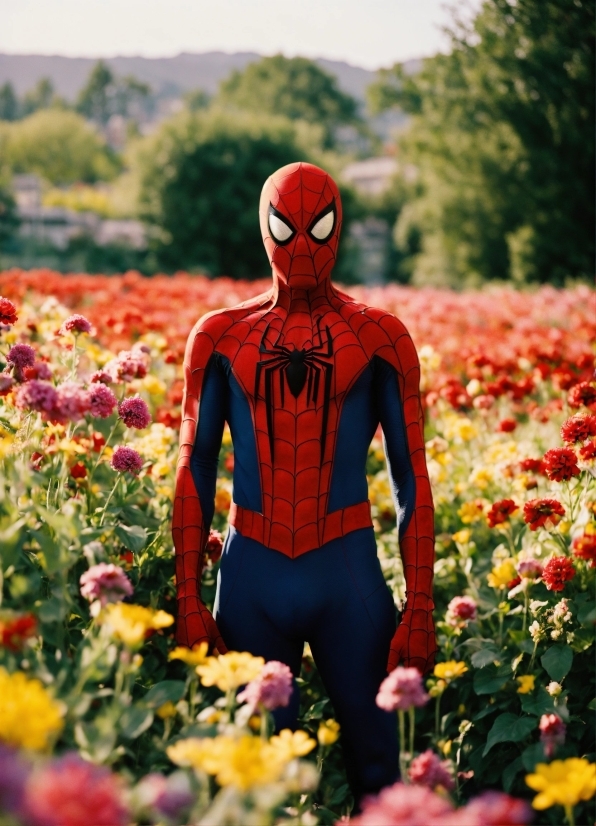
point(296, 368)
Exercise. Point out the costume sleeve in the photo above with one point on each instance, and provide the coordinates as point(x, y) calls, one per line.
point(403, 428)
point(203, 417)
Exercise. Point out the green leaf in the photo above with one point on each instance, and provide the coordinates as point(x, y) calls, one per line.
point(510, 773)
point(557, 661)
point(338, 795)
point(52, 610)
point(315, 712)
point(538, 704)
point(132, 537)
point(485, 657)
point(592, 704)
point(509, 728)
point(134, 721)
point(587, 613)
point(532, 755)
point(168, 690)
point(490, 679)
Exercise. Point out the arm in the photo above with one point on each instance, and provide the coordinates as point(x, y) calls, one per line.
point(203, 415)
point(400, 414)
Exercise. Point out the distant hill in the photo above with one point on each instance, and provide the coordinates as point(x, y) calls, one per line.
point(168, 76)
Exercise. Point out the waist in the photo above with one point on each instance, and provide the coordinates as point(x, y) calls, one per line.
point(293, 535)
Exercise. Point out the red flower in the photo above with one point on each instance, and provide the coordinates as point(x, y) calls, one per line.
point(507, 425)
point(8, 312)
point(578, 428)
point(98, 441)
point(557, 572)
point(583, 393)
point(561, 464)
point(540, 512)
point(587, 452)
point(14, 633)
point(532, 465)
point(78, 471)
point(500, 512)
point(585, 547)
point(214, 545)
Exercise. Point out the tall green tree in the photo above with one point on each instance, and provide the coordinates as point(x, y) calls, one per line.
point(502, 136)
point(105, 94)
point(9, 104)
point(294, 87)
point(40, 97)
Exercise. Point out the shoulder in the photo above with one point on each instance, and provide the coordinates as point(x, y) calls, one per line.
point(211, 328)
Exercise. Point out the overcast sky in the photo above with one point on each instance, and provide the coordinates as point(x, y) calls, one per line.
point(368, 33)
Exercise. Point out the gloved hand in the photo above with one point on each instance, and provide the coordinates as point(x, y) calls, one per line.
point(196, 624)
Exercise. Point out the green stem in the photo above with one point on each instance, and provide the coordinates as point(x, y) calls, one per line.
point(569, 815)
point(403, 762)
point(264, 724)
point(109, 499)
point(437, 715)
point(412, 715)
point(101, 452)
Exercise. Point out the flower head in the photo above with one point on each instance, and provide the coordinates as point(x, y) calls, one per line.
point(101, 377)
point(126, 460)
point(20, 356)
point(71, 402)
point(557, 571)
point(401, 805)
point(38, 370)
point(500, 512)
point(584, 547)
point(75, 324)
point(587, 452)
point(16, 631)
point(134, 412)
point(583, 393)
point(402, 689)
point(29, 717)
point(8, 312)
point(540, 513)
point(450, 670)
point(529, 568)
point(101, 401)
point(272, 688)
point(501, 575)
point(37, 395)
point(105, 582)
point(552, 732)
point(526, 683)
point(129, 365)
point(328, 732)
point(561, 464)
point(578, 428)
point(562, 782)
point(13, 775)
point(170, 796)
point(461, 610)
point(214, 545)
point(493, 809)
point(428, 770)
point(190, 656)
point(231, 670)
point(293, 743)
point(70, 791)
point(131, 623)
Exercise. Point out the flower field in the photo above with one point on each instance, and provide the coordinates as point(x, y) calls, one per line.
point(104, 721)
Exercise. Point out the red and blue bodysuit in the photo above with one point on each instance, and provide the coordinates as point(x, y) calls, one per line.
point(303, 375)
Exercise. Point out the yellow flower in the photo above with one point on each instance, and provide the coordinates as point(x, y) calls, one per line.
point(29, 717)
point(168, 709)
point(6, 445)
point(231, 670)
point(526, 683)
point(328, 732)
point(244, 762)
point(502, 574)
point(292, 743)
point(223, 499)
point(481, 477)
point(461, 428)
point(191, 656)
point(471, 511)
point(130, 623)
point(462, 536)
point(562, 782)
point(154, 386)
point(450, 670)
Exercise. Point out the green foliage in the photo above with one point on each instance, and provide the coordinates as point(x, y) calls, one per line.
point(8, 216)
point(42, 96)
point(9, 104)
point(294, 87)
point(201, 178)
point(59, 146)
point(502, 135)
point(105, 94)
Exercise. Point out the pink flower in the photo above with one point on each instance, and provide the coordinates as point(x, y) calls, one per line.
point(271, 689)
point(552, 732)
point(134, 412)
point(529, 568)
point(461, 610)
point(71, 402)
point(402, 690)
point(37, 395)
point(102, 377)
point(75, 324)
point(128, 365)
point(71, 792)
point(6, 383)
point(492, 809)
point(428, 770)
point(20, 356)
point(39, 370)
point(101, 401)
point(401, 805)
point(214, 545)
point(126, 460)
point(170, 796)
point(105, 582)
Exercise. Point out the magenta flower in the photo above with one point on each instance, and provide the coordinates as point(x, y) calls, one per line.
point(39, 370)
point(493, 809)
point(128, 365)
point(552, 732)
point(6, 383)
point(75, 324)
point(101, 377)
point(126, 460)
point(13, 775)
point(20, 356)
point(271, 689)
point(428, 770)
point(134, 412)
point(71, 402)
point(101, 401)
point(37, 395)
point(169, 796)
point(70, 791)
point(529, 568)
point(401, 805)
point(460, 611)
point(105, 582)
point(402, 690)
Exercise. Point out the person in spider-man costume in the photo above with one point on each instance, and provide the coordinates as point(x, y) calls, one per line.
point(303, 375)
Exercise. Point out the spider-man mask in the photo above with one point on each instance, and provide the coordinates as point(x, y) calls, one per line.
point(300, 215)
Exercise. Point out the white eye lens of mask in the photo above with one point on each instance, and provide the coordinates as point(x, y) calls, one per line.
point(279, 230)
point(323, 228)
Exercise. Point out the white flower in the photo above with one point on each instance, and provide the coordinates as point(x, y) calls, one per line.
point(554, 689)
